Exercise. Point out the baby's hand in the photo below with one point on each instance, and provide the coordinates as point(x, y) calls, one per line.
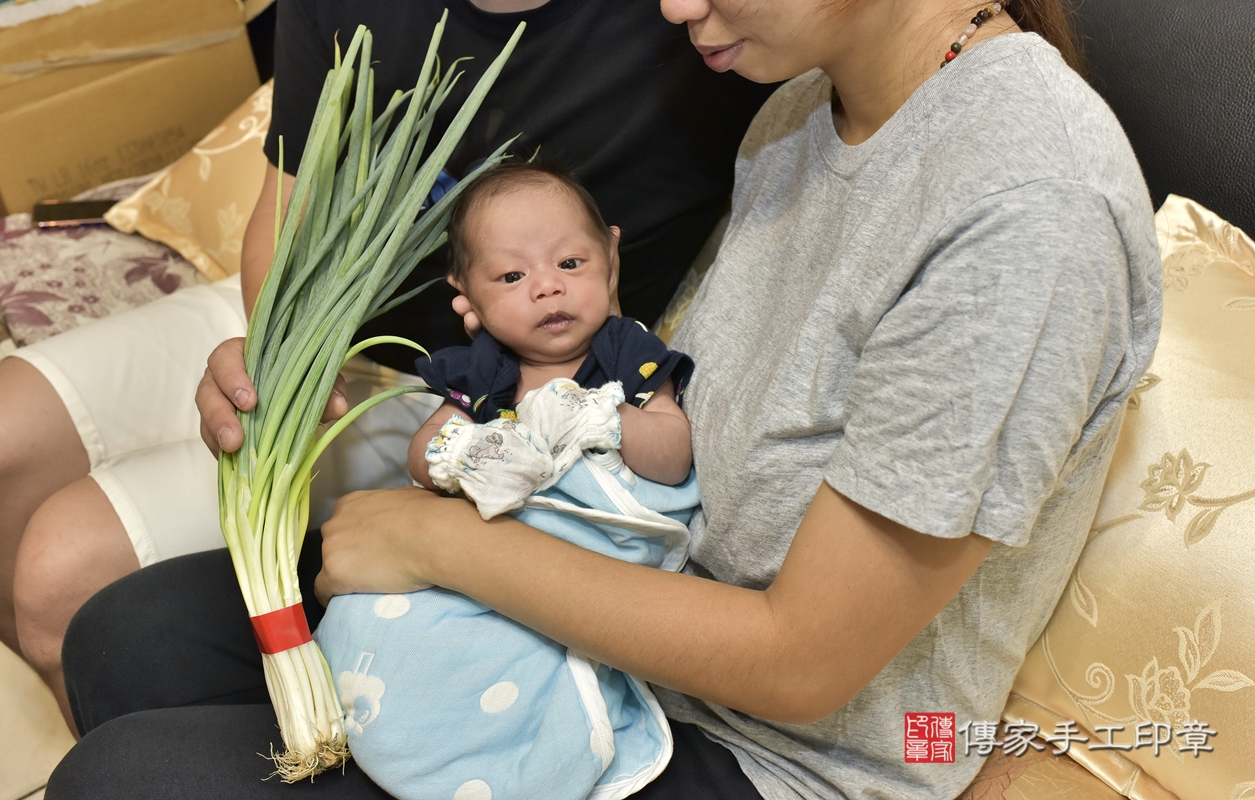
point(497, 464)
point(573, 419)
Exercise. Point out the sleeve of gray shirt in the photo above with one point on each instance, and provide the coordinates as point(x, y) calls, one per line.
point(977, 384)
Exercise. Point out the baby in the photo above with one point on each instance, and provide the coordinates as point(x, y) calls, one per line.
point(530, 251)
point(444, 697)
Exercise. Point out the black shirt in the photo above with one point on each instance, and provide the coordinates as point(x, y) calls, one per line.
point(608, 89)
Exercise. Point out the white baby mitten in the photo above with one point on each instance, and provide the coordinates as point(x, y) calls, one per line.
point(496, 464)
point(573, 419)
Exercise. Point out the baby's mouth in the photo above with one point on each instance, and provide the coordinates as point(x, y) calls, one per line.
point(556, 322)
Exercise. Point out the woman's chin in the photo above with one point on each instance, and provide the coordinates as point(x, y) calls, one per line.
point(745, 65)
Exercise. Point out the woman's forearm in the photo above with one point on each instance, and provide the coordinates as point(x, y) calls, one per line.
point(854, 589)
point(666, 628)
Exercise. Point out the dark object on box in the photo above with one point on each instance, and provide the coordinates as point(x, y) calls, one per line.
point(1181, 79)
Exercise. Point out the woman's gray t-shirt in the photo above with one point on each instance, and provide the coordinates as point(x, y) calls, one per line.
point(943, 323)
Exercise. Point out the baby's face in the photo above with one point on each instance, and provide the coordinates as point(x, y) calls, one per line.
point(539, 278)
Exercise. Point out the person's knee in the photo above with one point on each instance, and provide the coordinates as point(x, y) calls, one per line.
point(39, 433)
point(128, 757)
point(172, 634)
point(102, 660)
point(73, 546)
point(85, 771)
point(105, 656)
point(206, 751)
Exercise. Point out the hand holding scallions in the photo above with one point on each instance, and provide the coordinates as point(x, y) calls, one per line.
point(226, 387)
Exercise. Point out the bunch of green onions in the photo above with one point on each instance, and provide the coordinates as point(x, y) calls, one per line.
point(354, 229)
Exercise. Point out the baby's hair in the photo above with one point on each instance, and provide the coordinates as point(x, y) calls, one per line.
point(507, 176)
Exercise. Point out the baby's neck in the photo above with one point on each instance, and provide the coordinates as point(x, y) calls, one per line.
point(534, 375)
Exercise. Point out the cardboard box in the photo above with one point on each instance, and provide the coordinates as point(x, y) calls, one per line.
point(113, 90)
point(17, 91)
point(106, 27)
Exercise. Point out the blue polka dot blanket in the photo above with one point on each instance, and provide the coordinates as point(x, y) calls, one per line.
point(448, 700)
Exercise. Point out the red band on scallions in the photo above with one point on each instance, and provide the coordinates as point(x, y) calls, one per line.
point(281, 630)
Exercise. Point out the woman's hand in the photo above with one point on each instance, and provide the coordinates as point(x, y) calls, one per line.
point(226, 387)
point(386, 541)
point(462, 307)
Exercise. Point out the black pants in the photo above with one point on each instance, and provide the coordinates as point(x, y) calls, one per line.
point(166, 685)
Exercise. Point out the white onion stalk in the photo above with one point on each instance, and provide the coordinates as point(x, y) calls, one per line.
point(355, 228)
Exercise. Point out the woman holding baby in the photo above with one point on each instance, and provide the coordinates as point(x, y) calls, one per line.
point(938, 286)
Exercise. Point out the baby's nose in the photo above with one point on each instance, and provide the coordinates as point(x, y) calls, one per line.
point(548, 284)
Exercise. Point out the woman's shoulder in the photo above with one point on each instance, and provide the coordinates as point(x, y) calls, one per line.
point(1010, 114)
point(1016, 96)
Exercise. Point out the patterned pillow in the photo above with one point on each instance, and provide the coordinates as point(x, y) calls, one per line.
point(200, 204)
point(1157, 627)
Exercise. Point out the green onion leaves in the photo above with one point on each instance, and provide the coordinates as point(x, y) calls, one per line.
point(356, 225)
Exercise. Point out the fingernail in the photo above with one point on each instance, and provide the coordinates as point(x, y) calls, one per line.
point(222, 436)
point(340, 395)
point(241, 397)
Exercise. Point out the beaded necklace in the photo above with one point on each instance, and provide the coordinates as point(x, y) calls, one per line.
point(984, 15)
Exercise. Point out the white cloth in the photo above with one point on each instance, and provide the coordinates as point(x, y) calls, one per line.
point(129, 384)
point(573, 419)
point(496, 464)
point(499, 464)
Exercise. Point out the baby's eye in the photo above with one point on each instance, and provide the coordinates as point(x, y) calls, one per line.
point(570, 263)
point(512, 277)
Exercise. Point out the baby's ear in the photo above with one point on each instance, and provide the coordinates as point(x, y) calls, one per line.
point(612, 252)
point(455, 283)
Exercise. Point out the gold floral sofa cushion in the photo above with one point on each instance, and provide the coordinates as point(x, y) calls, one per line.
point(200, 204)
point(1157, 627)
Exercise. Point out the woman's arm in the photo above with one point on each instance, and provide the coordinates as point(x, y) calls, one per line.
point(259, 237)
point(657, 441)
point(854, 589)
